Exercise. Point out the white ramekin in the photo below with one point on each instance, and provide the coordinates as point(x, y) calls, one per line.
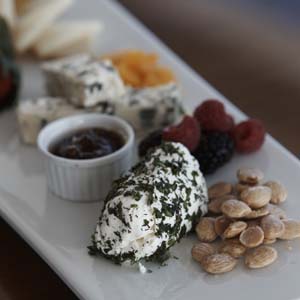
point(88, 179)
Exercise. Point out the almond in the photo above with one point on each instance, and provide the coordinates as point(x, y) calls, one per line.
point(257, 213)
point(250, 176)
point(276, 211)
point(253, 222)
point(272, 227)
point(252, 237)
point(240, 187)
point(218, 263)
point(200, 250)
point(221, 223)
point(234, 229)
point(291, 229)
point(257, 196)
point(235, 209)
point(214, 206)
point(233, 247)
point(206, 230)
point(219, 189)
point(261, 257)
point(269, 241)
point(279, 192)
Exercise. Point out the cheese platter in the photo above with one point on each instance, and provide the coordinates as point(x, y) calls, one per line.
point(149, 209)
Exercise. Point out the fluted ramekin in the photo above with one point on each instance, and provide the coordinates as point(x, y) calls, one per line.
point(85, 180)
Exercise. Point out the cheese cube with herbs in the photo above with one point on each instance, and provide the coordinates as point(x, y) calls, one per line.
point(152, 207)
point(84, 82)
point(150, 108)
point(33, 115)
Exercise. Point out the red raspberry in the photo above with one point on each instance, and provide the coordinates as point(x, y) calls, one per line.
point(212, 116)
point(249, 136)
point(229, 122)
point(187, 133)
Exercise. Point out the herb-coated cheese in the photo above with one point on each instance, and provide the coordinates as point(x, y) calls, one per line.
point(152, 207)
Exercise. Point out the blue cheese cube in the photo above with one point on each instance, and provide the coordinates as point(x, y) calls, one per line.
point(150, 108)
point(152, 207)
point(33, 115)
point(83, 81)
point(54, 72)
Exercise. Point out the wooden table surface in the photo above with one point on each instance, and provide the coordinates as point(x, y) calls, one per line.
point(235, 58)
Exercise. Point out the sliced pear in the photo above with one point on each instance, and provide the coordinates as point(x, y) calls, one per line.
point(32, 25)
point(68, 37)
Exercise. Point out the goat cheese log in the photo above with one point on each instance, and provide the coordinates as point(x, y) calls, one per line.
point(152, 207)
point(34, 114)
point(83, 81)
point(150, 108)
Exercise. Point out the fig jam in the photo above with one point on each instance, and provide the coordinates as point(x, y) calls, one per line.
point(87, 144)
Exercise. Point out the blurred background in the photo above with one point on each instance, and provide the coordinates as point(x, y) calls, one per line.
point(247, 49)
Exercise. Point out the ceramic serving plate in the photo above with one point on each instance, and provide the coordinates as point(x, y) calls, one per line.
point(60, 231)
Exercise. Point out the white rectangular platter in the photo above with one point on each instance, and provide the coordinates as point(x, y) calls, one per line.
point(60, 231)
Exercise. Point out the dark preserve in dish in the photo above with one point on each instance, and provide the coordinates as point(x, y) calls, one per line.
point(88, 143)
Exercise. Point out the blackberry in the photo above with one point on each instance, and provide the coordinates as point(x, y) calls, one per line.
point(214, 150)
point(152, 140)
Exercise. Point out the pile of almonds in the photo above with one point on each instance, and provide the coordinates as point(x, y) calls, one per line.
point(247, 217)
